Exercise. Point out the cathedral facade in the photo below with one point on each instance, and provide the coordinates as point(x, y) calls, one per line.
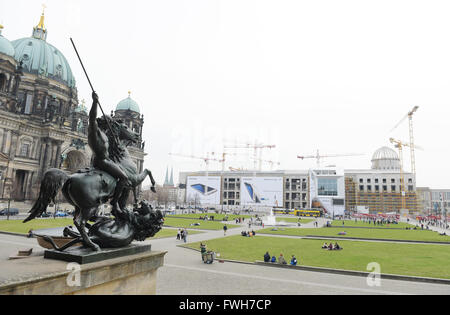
point(42, 123)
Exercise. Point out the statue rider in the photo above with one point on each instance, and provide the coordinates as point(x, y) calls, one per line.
point(99, 144)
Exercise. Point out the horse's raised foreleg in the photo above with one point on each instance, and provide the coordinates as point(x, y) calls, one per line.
point(81, 227)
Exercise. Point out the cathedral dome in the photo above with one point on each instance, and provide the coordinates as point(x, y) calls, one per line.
point(41, 58)
point(6, 47)
point(128, 104)
point(385, 159)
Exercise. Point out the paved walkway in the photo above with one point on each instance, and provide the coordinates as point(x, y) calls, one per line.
point(184, 273)
point(438, 229)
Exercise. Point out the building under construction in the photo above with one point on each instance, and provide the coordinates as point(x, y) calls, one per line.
point(374, 190)
point(380, 188)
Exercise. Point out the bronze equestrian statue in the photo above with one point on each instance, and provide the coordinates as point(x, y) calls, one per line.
point(130, 226)
point(113, 176)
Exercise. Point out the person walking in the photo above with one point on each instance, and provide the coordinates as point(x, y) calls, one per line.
point(185, 234)
point(225, 228)
point(179, 235)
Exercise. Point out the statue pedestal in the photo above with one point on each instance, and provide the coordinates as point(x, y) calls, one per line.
point(128, 275)
point(83, 255)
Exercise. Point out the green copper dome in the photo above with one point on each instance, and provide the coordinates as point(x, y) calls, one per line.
point(6, 47)
point(41, 58)
point(128, 104)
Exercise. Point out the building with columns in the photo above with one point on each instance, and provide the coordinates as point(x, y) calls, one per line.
point(42, 123)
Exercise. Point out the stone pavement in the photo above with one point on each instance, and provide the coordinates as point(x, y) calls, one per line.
point(184, 273)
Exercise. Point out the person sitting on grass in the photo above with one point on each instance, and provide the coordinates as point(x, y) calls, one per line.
point(336, 246)
point(325, 246)
point(330, 247)
point(281, 260)
point(293, 261)
point(274, 259)
point(267, 257)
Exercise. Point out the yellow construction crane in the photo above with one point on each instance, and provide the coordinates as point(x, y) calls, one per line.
point(399, 145)
point(318, 157)
point(411, 139)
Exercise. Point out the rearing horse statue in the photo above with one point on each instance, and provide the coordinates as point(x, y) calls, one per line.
point(88, 189)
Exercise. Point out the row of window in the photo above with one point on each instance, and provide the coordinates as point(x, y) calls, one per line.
point(295, 196)
point(384, 187)
point(231, 195)
point(376, 180)
point(436, 195)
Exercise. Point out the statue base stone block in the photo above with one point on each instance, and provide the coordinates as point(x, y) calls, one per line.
point(133, 274)
point(83, 255)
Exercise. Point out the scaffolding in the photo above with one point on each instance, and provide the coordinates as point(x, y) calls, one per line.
point(381, 201)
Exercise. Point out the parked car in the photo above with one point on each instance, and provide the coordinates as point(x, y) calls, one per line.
point(46, 215)
point(61, 214)
point(12, 211)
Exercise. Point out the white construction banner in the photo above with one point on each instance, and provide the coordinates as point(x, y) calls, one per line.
point(203, 190)
point(264, 191)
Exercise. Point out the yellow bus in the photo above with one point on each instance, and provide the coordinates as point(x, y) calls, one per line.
point(282, 211)
point(308, 213)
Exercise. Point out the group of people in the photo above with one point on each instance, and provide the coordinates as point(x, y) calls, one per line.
point(182, 235)
point(281, 260)
point(433, 222)
point(248, 234)
point(239, 220)
point(331, 246)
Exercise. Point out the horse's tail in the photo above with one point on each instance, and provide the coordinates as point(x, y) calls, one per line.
point(53, 180)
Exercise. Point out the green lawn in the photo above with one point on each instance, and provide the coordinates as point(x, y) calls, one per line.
point(407, 235)
point(166, 233)
point(352, 223)
point(16, 226)
point(220, 217)
point(204, 225)
point(403, 259)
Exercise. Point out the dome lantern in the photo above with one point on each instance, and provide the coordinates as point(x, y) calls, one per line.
point(39, 31)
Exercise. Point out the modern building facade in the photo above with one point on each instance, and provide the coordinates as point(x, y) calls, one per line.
point(42, 123)
point(378, 189)
point(434, 201)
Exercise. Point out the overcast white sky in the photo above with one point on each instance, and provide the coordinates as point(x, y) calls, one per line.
point(334, 76)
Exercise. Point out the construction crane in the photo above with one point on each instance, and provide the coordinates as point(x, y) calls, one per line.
point(206, 159)
point(399, 145)
point(411, 138)
point(271, 163)
point(318, 157)
point(224, 159)
point(256, 146)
